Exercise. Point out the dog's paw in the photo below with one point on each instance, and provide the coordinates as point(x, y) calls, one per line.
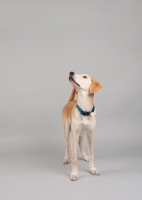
point(74, 176)
point(94, 171)
point(66, 161)
point(86, 158)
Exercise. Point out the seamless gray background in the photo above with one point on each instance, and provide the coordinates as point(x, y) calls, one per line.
point(40, 43)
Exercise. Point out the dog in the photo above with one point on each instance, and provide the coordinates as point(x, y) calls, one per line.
point(79, 117)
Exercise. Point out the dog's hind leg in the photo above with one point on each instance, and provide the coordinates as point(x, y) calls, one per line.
point(67, 129)
point(86, 158)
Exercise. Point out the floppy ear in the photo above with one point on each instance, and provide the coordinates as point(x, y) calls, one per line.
point(95, 86)
point(76, 94)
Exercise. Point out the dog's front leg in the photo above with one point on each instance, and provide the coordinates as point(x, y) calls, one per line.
point(90, 137)
point(74, 142)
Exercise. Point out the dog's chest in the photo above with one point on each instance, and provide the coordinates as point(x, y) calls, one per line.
point(86, 125)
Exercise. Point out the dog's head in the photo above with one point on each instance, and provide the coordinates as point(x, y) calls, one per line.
point(84, 82)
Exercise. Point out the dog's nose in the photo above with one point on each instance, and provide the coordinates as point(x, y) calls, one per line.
point(71, 73)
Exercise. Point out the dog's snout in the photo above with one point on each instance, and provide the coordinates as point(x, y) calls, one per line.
point(71, 73)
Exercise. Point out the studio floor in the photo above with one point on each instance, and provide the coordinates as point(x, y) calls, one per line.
point(40, 176)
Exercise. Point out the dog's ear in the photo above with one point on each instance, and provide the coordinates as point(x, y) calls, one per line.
point(95, 86)
point(76, 94)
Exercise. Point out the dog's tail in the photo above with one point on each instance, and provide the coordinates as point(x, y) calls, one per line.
point(72, 96)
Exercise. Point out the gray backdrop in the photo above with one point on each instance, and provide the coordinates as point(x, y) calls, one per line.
point(40, 43)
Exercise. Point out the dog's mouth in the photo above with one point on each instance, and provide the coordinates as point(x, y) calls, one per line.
point(71, 79)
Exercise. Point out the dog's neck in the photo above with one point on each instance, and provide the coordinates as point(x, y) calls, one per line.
point(85, 100)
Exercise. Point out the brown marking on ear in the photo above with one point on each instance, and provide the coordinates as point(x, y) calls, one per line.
point(76, 94)
point(95, 86)
point(72, 96)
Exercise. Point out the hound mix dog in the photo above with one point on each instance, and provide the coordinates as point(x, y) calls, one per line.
point(79, 118)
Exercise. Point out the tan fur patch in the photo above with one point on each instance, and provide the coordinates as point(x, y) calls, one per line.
point(95, 86)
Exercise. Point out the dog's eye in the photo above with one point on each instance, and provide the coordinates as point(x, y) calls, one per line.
point(84, 76)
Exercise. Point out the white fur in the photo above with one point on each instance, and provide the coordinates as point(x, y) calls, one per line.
point(82, 125)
